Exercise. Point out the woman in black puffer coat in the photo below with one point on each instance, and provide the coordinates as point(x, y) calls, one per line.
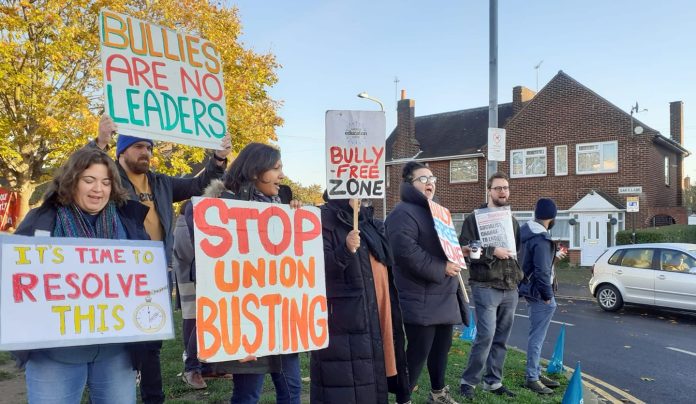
point(426, 281)
point(366, 358)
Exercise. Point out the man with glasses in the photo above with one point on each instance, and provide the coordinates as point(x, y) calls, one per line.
point(493, 280)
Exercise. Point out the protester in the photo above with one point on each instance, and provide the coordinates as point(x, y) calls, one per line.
point(85, 199)
point(537, 255)
point(493, 279)
point(427, 282)
point(158, 192)
point(255, 175)
point(365, 359)
point(182, 262)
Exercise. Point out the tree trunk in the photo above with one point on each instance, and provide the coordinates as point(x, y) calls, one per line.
point(26, 190)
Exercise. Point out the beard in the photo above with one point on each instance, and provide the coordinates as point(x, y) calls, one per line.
point(499, 203)
point(140, 166)
point(551, 224)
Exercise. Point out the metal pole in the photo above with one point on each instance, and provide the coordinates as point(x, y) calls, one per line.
point(633, 236)
point(492, 166)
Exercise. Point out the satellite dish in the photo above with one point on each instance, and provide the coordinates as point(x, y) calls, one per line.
point(638, 130)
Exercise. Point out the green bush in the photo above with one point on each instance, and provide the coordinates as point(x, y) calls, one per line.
point(676, 233)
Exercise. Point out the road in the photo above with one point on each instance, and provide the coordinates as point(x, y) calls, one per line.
point(646, 352)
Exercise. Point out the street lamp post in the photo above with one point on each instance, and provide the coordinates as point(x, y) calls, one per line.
point(635, 131)
point(366, 96)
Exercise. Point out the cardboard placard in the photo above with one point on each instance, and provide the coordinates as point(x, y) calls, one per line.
point(495, 228)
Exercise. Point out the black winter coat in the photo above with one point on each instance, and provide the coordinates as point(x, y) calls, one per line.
point(427, 295)
point(351, 369)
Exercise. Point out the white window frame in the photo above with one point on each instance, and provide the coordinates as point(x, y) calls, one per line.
point(667, 179)
point(556, 153)
point(600, 150)
point(475, 160)
point(525, 155)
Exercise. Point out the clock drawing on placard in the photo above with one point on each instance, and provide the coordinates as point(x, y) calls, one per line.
point(149, 316)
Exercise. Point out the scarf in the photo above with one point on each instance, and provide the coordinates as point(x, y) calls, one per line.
point(71, 222)
point(370, 231)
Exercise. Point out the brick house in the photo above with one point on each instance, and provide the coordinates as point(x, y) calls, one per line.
point(566, 143)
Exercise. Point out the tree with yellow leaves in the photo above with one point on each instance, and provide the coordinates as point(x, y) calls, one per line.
point(51, 81)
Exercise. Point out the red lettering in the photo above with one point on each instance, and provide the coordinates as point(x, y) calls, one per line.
point(118, 256)
point(199, 212)
point(141, 68)
point(156, 76)
point(107, 288)
point(242, 215)
point(109, 68)
point(97, 291)
point(81, 251)
point(196, 84)
point(301, 235)
point(19, 287)
point(125, 284)
point(140, 285)
point(48, 287)
point(264, 218)
point(70, 280)
point(335, 154)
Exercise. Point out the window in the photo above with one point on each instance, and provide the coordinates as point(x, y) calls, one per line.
point(465, 170)
point(638, 258)
point(561, 154)
point(528, 163)
point(594, 158)
point(667, 170)
point(676, 261)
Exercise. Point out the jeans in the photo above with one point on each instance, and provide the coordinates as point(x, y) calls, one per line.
point(110, 380)
point(495, 312)
point(288, 384)
point(540, 315)
point(431, 343)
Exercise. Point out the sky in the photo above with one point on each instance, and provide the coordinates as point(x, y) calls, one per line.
point(640, 51)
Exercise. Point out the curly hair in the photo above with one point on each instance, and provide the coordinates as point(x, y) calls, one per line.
point(409, 168)
point(64, 183)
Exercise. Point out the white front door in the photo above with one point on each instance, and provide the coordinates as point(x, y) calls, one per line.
point(593, 237)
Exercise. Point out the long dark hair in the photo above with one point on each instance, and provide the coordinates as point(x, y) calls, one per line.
point(65, 182)
point(251, 163)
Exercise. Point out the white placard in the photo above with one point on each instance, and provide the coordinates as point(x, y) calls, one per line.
point(160, 83)
point(58, 292)
point(496, 144)
point(355, 144)
point(260, 286)
point(495, 228)
point(632, 204)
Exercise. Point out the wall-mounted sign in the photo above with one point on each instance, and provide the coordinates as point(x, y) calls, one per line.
point(630, 190)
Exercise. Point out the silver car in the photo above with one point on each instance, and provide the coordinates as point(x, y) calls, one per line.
point(657, 274)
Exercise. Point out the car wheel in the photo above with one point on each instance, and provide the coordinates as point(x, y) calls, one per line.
point(609, 298)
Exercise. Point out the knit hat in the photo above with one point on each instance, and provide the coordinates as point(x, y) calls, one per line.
point(545, 209)
point(125, 141)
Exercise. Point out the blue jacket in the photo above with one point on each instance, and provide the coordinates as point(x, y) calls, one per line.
point(427, 295)
point(536, 256)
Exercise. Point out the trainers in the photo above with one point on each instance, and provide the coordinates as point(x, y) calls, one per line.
point(538, 387)
point(503, 391)
point(548, 382)
point(194, 379)
point(441, 396)
point(467, 391)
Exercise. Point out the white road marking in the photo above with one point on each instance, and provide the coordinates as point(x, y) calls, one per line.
point(681, 350)
point(553, 321)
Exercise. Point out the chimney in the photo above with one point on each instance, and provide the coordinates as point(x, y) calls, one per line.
point(676, 121)
point(520, 96)
point(406, 145)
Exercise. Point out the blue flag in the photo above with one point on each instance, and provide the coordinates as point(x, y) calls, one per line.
point(573, 394)
point(469, 333)
point(556, 364)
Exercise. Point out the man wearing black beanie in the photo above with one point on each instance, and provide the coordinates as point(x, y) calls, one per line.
point(537, 256)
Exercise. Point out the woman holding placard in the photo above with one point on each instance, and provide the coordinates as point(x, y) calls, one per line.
point(366, 357)
point(427, 282)
point(85, 199)
point(255, 175)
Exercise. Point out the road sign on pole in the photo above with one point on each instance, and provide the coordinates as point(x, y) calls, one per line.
point(632, 204)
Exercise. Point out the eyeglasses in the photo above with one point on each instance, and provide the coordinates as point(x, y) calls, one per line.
point(424, 179)
point(500, 189)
